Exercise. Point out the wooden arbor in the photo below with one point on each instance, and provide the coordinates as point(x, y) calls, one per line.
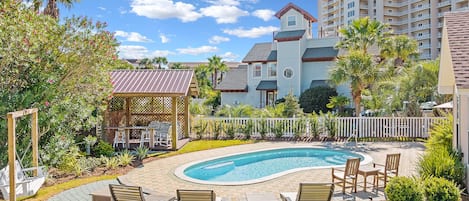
point(11, 116)
point(142, 96)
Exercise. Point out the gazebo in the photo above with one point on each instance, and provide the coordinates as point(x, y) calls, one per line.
point(144, 96)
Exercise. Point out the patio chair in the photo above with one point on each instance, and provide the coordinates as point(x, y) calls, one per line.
point(197, 195)
point(310, 192)
point(126, 193)
point(389, 169)
point(348, 175)
point(163, 137)
point(144, 137)
point(119, 138)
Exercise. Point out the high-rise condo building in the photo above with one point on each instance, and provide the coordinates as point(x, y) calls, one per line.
point(420, 19)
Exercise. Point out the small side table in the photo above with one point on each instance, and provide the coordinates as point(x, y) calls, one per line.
point(368, 171)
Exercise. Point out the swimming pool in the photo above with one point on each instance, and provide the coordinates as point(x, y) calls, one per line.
point(262, 165)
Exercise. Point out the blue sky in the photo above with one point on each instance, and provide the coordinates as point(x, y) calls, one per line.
point(185, 30)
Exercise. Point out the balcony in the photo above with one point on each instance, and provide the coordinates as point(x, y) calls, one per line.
point(395, 5)
point(398, 22)
point(425, 56)
point(423, 17)
point(426, 46)
point(423, 37)
point(423, 7)
point(396, 14)
point(363, 6)
point(402, 31)
point(417, 28)
point(332, 2)
point(444, 3)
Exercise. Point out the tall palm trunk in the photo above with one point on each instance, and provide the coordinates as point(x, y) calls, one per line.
point(51, 9)
point(357, 99)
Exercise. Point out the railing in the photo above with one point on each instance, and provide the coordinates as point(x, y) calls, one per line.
point(338, 127)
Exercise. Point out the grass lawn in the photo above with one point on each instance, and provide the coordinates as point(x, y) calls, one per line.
point(200, 145)
point(47, 192)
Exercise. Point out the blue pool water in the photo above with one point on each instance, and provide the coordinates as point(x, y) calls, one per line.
point(256, 165)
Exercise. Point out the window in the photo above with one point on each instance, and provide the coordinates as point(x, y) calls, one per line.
point(291, 20)
point(389, 20)
point(420, 34)
point(351, 5)
point(351, 13)
point(273, 70)
point(257, 70)
point(288, 73)
point(389, 11)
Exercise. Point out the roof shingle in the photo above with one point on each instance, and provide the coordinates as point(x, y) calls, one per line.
point(320, 54)
point(259, 53)
point(457, 25)
point(234, 80)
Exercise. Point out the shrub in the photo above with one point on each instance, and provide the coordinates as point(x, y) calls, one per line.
point(314, 125)
point(125, 158)
point(200, 127)
point(217, 128)
point(103, 149)
point(403, 189)
point(330, 124)
point(230, 130)
point(292, 107)
point(278, 129)
point(68, 163)
point(262, 127)
point(111, 162)
point(437, 189)
point(142, 152)
point(441, 134)
point(315, 99)
point(439, 162)
point(87, 164)
point(247, 130)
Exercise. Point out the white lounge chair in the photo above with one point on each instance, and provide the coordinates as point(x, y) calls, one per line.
point(26, 185)
point(119, 138)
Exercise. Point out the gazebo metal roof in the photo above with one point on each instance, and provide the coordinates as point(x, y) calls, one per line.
point(164, 83)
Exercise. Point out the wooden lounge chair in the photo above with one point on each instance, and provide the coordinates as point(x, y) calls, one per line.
point(310, 192)
point(389, 169)
point(197, 195)
point(348, 175)
point(126, 193)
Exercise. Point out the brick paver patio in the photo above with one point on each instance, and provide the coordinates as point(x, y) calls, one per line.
point(159, 175)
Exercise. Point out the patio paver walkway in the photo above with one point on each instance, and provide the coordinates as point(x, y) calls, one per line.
point(159, 175)
point(82, 193)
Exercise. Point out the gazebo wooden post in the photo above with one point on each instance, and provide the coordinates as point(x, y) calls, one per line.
point(174, 116)
point(186, 116)
point(128, 117)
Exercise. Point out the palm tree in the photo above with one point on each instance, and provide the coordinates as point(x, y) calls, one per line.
point(178, 66)
point(216, 65)
point(159, 61)
point(51, 8)
point(145, 63)
point(338, 102)
point(357, 68)
point(363, 33)
point(399, 49)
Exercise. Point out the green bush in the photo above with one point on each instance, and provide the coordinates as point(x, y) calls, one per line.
point(230, 130)
point(441, 134)
point(439, 162)
point(278, 129)
point(437, 189)
point(125, 158)
point(142, 152)
point(111, 162)
point(403, 189)
point(103, 149)
point(315, 99)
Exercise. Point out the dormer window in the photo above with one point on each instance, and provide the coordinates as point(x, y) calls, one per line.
point(291, 20)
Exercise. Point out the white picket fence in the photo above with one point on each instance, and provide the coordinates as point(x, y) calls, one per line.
point(340, 127)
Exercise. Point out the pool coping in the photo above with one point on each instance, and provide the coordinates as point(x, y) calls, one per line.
point(179, 171)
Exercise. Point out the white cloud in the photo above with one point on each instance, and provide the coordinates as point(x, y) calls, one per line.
point(101, 8)
point(132, 36)
point(122, 10)
point(264, 14)
point(251, 33)
point(229, 56)
point(197, 50)
point(161, 53)
point(224, 2)
point(164, 9)
point(132, 51)
point(140, 52)
point(164, 38)
point(218, 39)
point(224, 13)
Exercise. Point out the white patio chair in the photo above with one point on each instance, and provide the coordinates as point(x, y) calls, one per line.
point(144, 137)
point(119, 138)
point(26, 185)
point(163, 137)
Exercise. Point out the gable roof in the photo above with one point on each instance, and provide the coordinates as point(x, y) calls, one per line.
point(235, 80)
point(260, 52)
point(289, 6)
point(289, 35)
point(163, 83)
point(320, 54)
point(458, 40)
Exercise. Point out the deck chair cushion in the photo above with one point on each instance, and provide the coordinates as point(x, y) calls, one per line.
point(196, 195)
point(126, 193)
